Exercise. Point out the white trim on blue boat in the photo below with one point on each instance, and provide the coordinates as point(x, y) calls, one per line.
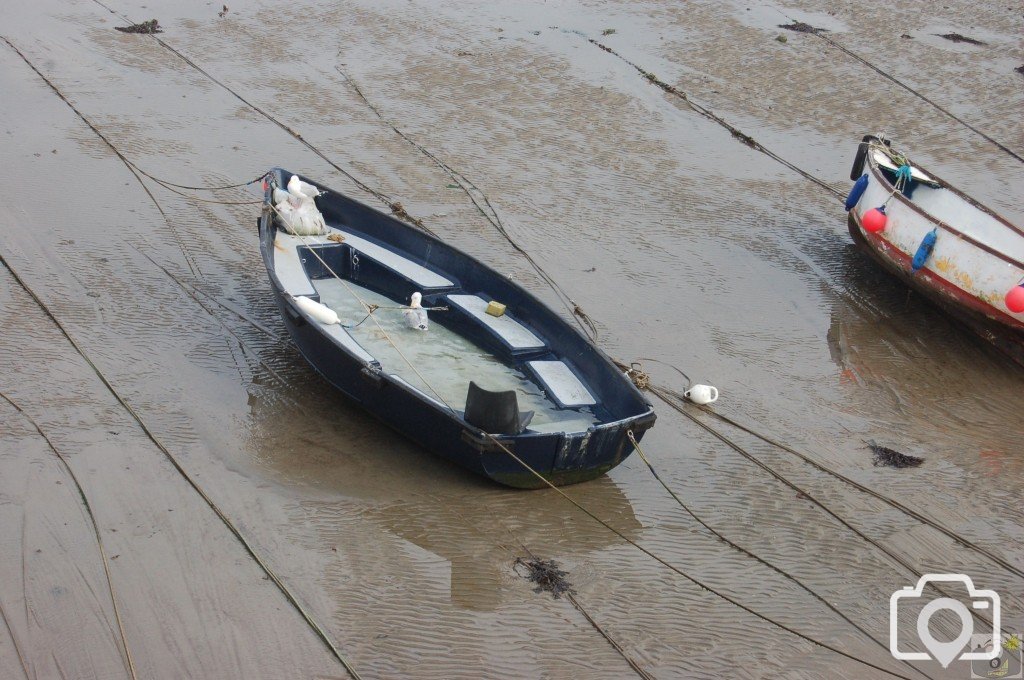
point(561, 383)
point(288, 267)
point(514, 333)
point(293, 277)
point(342, 337)
point(421, 276)
point(569, 426)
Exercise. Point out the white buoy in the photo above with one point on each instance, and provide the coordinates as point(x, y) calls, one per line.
point(415, 315)
point(702, 394)
point(317, 310)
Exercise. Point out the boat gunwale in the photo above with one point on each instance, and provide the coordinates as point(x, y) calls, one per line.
point(944, 185)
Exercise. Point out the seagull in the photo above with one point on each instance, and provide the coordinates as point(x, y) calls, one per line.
point(415, 315)
point(281, 195)
point(298, 188)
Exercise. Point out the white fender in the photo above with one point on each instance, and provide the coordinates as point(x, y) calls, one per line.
point(318, 311)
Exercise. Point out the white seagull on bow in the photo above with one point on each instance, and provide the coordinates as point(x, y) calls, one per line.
point(298, 188)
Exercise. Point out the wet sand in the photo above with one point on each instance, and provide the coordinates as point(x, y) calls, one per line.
point(684, 245)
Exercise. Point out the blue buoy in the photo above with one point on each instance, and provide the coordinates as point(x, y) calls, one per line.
point(856, 192)
point(924, 251)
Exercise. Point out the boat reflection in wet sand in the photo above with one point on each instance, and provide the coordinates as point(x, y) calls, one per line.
point(484, 382)
point(956, 252)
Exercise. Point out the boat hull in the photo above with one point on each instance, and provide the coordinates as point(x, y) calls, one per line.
point(976, 314)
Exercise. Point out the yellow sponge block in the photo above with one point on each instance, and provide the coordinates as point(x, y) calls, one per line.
point(495, 308)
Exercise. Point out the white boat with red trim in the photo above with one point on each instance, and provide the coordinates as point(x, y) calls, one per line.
point(956, 252)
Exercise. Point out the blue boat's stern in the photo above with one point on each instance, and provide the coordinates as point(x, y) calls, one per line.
point(563, 458)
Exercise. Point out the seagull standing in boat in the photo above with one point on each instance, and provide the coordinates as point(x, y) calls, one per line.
point(415, 315)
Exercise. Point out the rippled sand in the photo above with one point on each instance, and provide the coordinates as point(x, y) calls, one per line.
point(685, 245)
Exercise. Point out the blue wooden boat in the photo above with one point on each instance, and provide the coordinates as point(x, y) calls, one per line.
point(525, 378)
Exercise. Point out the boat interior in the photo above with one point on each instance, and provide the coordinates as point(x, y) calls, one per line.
point(944, 204)
point(467, 355)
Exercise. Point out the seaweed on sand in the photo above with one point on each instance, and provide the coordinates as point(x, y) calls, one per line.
point(151, 26)
point(888, 457)
point(801, 27)
point(958, 38)
point(548, 577)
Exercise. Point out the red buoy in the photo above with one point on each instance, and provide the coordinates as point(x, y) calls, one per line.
point(874, 220)
point(1015, 299)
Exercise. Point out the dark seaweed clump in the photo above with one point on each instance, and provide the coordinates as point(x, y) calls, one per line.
point(801, 27)
point(957, 38)
point(548, 577)
point(886, 456)
point(151, 26)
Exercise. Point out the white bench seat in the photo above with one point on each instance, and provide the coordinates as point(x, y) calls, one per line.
point(289, 268)
point(290, 272)
point(562, 385)
point(516, 335)
point(421, 276)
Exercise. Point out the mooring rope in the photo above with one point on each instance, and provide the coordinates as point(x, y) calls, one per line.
point(474, 526)
point(569, 595)
point(395, 206)
point(202, 200)
point(95, 526)
point(188, 478)
point(135, 170)
point(244, 347)
point(240, 185)
point(893, 79)
point(895, 504)
point(483, 205)
point(711, 115)
point(883, 644)
point(665, 394)
point(680, 572)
